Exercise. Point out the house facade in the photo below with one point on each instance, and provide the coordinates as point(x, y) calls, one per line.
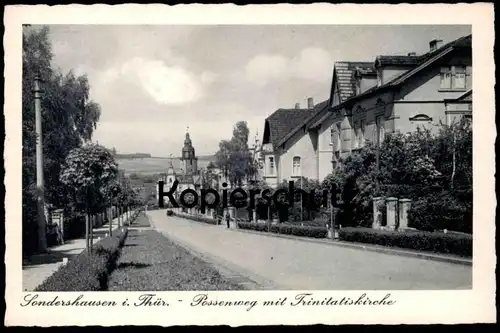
point(367, 100)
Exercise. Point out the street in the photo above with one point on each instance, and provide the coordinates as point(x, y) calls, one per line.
point(294, 264)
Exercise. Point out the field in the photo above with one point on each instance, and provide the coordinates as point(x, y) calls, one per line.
point(156, 165)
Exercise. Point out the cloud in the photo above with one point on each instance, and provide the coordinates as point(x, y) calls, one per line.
point(264, 68)
point(167, 85)
point(312, 64)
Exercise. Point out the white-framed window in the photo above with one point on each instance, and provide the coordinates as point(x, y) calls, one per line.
point(380, 122)
point(445, 78)
point(335, 136)
point(296, 171)
point(361, 133)
point(355, 130)
point(271, 165)
point(453, 77)
point(459, 77)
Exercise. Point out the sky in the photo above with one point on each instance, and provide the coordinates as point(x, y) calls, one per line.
point(154, 82)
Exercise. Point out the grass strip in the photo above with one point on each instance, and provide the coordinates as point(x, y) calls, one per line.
point(151, 262)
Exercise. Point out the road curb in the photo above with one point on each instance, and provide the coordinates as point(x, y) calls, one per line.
point(236, 274)
point(372, 248)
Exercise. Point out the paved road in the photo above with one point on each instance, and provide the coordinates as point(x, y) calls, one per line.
point(293, 264)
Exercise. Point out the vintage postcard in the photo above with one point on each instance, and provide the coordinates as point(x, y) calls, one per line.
point(257, 165)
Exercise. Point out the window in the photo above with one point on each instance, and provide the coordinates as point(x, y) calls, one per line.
point(271, 165)
point(380, 129)
point(355, 141)
point(453, 77)
point(335, 137)
point(296, 171)
point(361, 134)
point(459, 79)
point(445, 78)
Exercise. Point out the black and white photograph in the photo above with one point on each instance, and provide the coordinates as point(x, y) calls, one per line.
point(247, 157)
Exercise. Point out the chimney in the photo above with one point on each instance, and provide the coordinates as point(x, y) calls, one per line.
point(435, 44)
point(412, 54)
point(310, 103)
point(297, 106)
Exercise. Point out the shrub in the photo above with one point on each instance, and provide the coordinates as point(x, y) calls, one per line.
point(170, 212)
point(198, 218)
point(287, 229)
point(458, 244)
point(297, 230)
point(439, 211)
point(88, 272)
point(252, 226)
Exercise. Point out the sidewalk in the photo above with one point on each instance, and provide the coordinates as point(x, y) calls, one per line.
point(448, 258)
point(40, 266)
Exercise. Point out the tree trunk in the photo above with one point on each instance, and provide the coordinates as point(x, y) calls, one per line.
point(454, 160)
point(110, 215)
point(87, 244)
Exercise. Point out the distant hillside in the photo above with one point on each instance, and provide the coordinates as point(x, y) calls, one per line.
point(133, 155)
point(156, 165)
point(200, 158)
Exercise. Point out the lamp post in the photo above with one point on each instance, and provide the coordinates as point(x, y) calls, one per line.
point(42, 240)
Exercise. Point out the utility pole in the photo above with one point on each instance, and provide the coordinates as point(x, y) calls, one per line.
point(301, 198)
point(40, 184)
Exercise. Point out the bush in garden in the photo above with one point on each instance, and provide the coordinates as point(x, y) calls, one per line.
point(439, 211)
point(88, 272)
point(170, 212)
point(203, 219)
point(457, 244)
point(297, 230)
point(253, 226)
point(286, 229)
point(434, 171)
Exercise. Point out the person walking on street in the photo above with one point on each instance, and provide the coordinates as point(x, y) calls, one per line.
point(227, 220)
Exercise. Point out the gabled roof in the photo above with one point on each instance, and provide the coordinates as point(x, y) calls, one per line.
point(424, 61)
point(465, 97)
point(318, 108)
point(343, 77)
point(282, 122)
point(397, 60)
point(414, 60)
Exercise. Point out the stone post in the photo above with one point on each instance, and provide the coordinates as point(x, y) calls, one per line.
point(404, 207)
point(377, 212)
point(254, 216)
point(391, 213)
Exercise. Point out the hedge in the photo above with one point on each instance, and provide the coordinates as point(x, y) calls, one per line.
point(88, 272)
point(287, 229)
point(203, 219)
point(457, 244)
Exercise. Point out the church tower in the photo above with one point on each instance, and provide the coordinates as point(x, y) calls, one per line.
point(189, 159)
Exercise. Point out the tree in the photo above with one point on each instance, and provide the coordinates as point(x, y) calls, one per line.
point(87, 172)
point(234, 157)
point(433, 170)
point(69, 118)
